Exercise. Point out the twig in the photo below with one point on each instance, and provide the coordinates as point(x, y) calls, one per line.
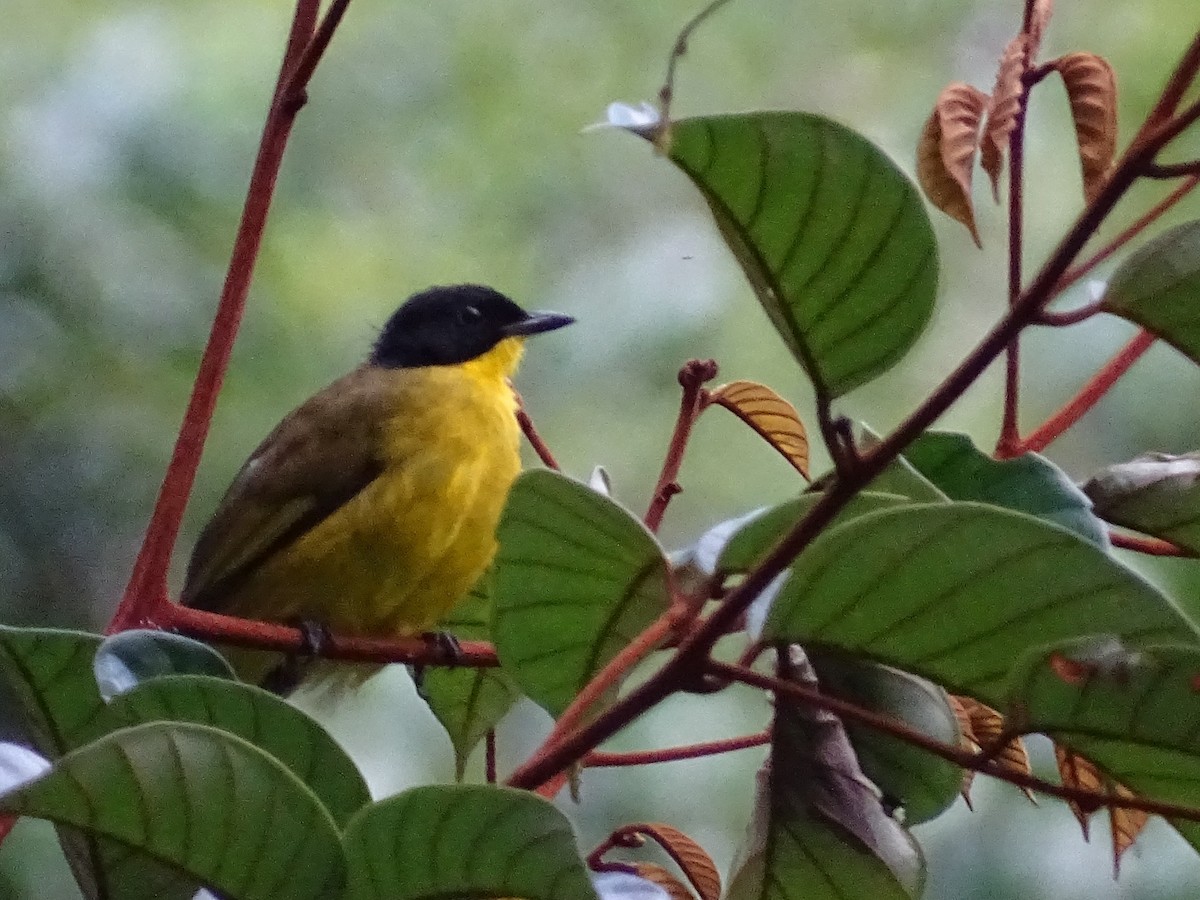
point(535, 439)
point(1089, 395)
point(598, 759)
point(976, 761)
point(691, 378)
point(269, 636)
point(1148, 545)
point(489, 756)
point(1075, 274)
point(1069, 316)
point(667, 92)
point(1173, 170)
point(146, 593)
point(297, 83)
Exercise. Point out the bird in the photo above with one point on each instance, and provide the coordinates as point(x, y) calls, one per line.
point(371, 509)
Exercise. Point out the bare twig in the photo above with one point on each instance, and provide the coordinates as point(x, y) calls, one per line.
point(691, 378)
point(598, 759)
point(535, 439)
point(667, 92)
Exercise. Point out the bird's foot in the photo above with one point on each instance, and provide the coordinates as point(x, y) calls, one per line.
point(443, 643)
point(315, 638)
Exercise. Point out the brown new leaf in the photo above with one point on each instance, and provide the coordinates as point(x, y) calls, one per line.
point(1003, 108)
point(1038, 21)
point(775, 420)
point(1092, 90)
point(1125, 824)
point(966, 740)
point(675, 888)
point(984, 728)
point(946, 152)
point(691, 858)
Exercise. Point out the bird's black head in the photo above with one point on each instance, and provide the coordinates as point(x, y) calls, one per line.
point(443, 326)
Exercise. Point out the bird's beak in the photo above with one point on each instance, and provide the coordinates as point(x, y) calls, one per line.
point(536, 323)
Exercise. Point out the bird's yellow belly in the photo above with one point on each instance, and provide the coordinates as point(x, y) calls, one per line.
point(398, 556)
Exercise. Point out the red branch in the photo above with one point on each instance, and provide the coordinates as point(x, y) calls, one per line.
point(535, 439)
point(691, 377)
point(1148, 545)
point(145, 596)
point(1089, 395)
point(600, 759)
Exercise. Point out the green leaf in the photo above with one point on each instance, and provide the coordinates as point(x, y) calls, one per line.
point(759, 534)
point(469, 702)
point(131, 657)
point(924, 784)
point(900, 477)
point(1158, 287)
point(292, 737)
point(576, 579)
point(832, 236)
point(819, 831)
point(1028, 483)
point(193, 797)
point(956, 591)
point(1134, 713)
point(1156, 494)
point(50, 673)
point(474, 841)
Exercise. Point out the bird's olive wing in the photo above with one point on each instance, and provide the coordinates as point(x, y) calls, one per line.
point(314, 462)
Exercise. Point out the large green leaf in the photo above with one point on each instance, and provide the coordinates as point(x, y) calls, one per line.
point(957, 591)
point(819, 831)
point(201, 800)
point(469, 702)
point(129, 658)
point(575, 580)
point(1156, 494)
point(50, 673)
point(831, 234)
point(477, 841)
point(292, 737)
point(924, 784)
point(1158, 287)
point(1136, 714)
point(1028, 483)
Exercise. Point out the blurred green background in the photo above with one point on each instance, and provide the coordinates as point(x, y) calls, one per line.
point(445, 143)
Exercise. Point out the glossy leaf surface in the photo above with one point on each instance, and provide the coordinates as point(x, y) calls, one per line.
point(831, 235)
point(577, 577)
point(956, 592)
point(477, 841)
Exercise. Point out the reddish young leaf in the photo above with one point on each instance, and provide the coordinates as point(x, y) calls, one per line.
point(1003, 108)
point(986, 728)
point(775, 420)
point(1038, 21)
point(688, 855)
point(946, 152)
point(675, 888)
point(966, 740)
point(1092, 91)
point(1126, 824)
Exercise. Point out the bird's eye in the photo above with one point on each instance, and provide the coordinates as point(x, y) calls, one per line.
point(469, 314)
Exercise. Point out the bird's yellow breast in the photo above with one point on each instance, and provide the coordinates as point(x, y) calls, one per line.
point(399, 555)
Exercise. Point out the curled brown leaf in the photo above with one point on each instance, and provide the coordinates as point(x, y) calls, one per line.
point(696, 865)
point(946, 152)
point(1125, 824)
point(986, 731)
point(1004, 106)
point(775, 420)
point(1039, 18)
point(1092, 91)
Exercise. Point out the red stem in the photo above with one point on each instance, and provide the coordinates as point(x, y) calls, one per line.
point(1078, 272)
point(535, 439)
point(146, 594)
point(1089, 395)
point(599, 759)
point(1010, 433)
point(1148, 545)
point(691, 377)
